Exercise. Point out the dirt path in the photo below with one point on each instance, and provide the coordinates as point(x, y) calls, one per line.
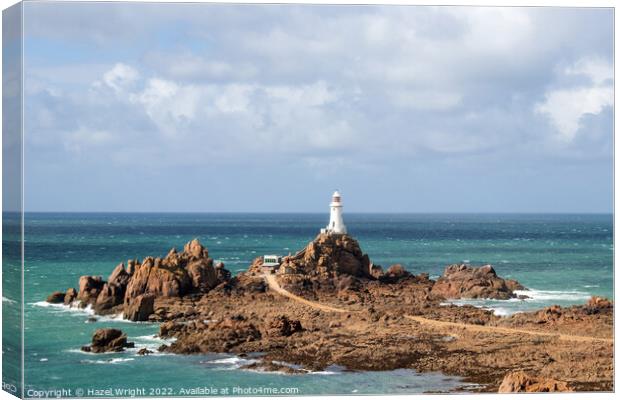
point(499, 329)
point(275, 286)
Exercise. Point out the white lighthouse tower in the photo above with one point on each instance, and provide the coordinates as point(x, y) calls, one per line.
point(336, 224)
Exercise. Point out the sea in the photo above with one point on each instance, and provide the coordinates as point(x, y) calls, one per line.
point(562, 259)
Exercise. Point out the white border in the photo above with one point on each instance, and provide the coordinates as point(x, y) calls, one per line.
point(541, 3)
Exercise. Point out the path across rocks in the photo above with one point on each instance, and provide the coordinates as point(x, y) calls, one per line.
point(273, 284)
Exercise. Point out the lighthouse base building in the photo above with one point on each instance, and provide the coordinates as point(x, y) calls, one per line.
point(336, 224)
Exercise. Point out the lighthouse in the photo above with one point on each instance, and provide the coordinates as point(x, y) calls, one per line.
point(336, 224)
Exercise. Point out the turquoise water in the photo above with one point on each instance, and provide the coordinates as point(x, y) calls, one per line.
point(564, 259)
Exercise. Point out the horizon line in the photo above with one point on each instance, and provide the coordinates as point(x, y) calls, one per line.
point(322, 212)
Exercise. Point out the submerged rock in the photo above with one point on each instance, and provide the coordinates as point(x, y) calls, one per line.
point(144, 351)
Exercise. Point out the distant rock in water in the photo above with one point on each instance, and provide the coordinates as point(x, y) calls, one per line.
point(460, 281)
point(108, 340)
point(132, 290)
point(519, 381)
point(56, 298)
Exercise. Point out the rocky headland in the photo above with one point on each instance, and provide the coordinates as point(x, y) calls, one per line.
point(329, 305)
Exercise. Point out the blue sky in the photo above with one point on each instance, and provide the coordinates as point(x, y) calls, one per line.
point(195, 107)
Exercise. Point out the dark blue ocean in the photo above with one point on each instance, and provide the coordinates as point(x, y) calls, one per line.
point(563, 259)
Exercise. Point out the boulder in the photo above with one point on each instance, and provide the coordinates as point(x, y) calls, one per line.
point(152, 277)
point(140, 307)
point(195, 249)
point(144, 351)
point(460, 281)
point(395, 273)
point(519, 381)
point(89, 288)
point(202, 274)
point(119, 276)
point(375, 271)
point(131, 266)
point(56, 298)
point(108, 340)
point(221, 273)
point(70, 296)
point(109, 297)
point(282, 326)
point(514, 285)
point(599, 303)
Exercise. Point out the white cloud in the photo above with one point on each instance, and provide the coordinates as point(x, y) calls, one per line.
point(598, 70)
point(371, 82)
point(120, 77)
point(565, 107)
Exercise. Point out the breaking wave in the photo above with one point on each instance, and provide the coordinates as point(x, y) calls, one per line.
point(536, 299)
point(108, 361)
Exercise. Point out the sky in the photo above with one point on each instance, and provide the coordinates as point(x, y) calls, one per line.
point(270, 108)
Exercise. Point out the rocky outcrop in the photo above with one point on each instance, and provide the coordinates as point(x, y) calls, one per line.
point(132, 290)
point(271, 366)
point(329, 255)
point(519, 381)
point(108, 340)
point(598, 304)
point(140, 308)
point(89, 288)
point(220, 336)
point(112, 293)
point(460, 281)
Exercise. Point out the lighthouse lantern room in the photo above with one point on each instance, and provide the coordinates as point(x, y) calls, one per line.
point(336, 224)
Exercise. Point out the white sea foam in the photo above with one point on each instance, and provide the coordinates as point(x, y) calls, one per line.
point(536, 299)
point(5, 300)
point(230, 360)
point(78, 351)
point(109, 361)
point(554, 295)
point(323, 373)
point(150, 342)
point(88, 310)
point(501, 311)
